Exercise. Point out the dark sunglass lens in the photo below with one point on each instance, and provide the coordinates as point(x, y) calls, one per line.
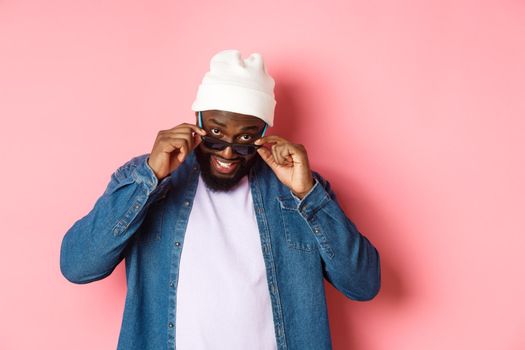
point(219, 145)
point(244, 150)
point(213, 144)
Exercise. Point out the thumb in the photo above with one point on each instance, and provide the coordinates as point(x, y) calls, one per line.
point(196, 141)
point(182, 154)
point(267, 156)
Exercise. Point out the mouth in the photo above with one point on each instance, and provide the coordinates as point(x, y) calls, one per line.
point(223, 166)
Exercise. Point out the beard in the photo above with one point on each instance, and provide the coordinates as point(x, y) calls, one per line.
point(222, 184)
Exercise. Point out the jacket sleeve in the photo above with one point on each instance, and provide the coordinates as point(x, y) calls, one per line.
point(95, 244)
point(350, 261)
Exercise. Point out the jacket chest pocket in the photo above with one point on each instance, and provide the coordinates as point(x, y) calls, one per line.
point(297, 232)
point(151, 228)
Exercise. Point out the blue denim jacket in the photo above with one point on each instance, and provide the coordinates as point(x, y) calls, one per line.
point(143, 221)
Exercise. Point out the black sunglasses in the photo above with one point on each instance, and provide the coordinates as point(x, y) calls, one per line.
point(242, 149)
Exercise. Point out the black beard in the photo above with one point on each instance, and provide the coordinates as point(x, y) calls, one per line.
point(217, 184)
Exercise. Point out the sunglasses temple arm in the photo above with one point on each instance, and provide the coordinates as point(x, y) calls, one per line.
point(264, 130)
point(200, 119)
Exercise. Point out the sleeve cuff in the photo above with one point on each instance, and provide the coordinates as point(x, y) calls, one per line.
point(299, 200)
point(144, 174)
point(313, 201)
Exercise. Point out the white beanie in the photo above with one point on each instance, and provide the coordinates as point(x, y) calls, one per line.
point(237, 85)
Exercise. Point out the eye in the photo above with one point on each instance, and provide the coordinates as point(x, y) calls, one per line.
point(215, 131)
point(246, 138)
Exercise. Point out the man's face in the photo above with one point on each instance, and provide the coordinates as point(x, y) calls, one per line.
point(222, 170)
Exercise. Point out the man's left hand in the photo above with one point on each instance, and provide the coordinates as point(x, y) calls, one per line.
point(289, 162)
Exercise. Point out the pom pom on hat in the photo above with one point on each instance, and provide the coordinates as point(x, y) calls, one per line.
point(237, 85)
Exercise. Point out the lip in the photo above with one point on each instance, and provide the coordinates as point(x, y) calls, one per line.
point(222, 169)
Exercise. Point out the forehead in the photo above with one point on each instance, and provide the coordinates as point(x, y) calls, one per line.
point(230, 119)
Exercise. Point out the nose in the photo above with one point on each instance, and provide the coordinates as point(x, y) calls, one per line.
point(227, 153)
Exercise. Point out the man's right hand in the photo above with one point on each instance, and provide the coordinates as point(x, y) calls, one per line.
point(172, 146)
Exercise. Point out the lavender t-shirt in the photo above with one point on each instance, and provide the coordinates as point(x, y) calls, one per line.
point(223, 300)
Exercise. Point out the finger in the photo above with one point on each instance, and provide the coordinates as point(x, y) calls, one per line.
point(195, 128)
point(283, 154)
point(287, 160)
point(169, 143)
point(193, 139)
point(298, 154)
point(277, 155)
point(176, 146)
point(196, 141)
point(188, 128)
point(270, 139)
point(183, 152)
point(179, 154)
point(190, 139)
point(286, 153)
point(267, 156)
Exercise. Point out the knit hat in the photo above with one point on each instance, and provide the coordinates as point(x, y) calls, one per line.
point(237, 85)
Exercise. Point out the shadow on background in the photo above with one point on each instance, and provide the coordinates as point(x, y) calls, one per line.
point(343, 312)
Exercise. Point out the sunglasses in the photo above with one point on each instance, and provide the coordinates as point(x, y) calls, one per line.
point(242, 149)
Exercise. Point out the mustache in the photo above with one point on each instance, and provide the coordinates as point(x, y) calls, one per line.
point(221, 184)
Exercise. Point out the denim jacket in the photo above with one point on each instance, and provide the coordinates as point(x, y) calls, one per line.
point(143, 221)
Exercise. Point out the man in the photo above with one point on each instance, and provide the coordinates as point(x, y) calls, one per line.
point(226, 233)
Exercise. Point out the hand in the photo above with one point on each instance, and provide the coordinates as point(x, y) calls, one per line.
point(171, 148)
point(289, 162)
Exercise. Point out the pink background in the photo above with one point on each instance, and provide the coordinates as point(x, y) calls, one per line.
point(413, 110)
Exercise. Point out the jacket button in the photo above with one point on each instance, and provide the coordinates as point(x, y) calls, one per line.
point(186, 203)
point(172, 284)
point(170, 325)
point(177, 244)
